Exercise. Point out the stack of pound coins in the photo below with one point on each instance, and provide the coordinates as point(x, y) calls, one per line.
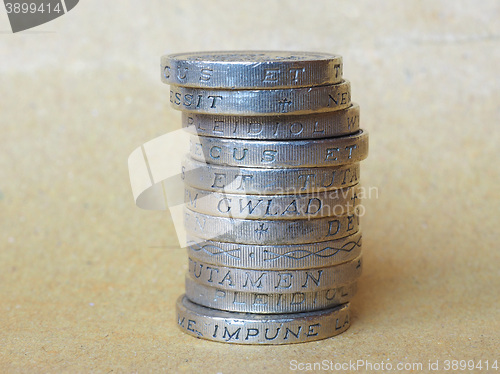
point(271, 194)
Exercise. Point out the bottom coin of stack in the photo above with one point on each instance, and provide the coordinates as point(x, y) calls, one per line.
point(249, 328)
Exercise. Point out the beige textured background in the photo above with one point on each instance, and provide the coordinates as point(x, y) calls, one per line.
point(88, 281)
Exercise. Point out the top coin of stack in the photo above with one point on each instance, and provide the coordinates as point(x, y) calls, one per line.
point(271, 194)
point(251, 69)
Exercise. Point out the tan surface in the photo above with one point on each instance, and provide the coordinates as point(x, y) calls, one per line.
point(88, 281)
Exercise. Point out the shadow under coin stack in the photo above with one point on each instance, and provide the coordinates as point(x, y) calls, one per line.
point(271, 194)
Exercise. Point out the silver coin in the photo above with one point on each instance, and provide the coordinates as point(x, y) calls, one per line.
point(279, 207)
point(286, 281)
point(275, 302)
point(247, 328)
point(283, 154)
point(276, 257)
point(262, 102)
point(251, 69)
point(269, 232)
point(261, 181)
point(284, 127)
